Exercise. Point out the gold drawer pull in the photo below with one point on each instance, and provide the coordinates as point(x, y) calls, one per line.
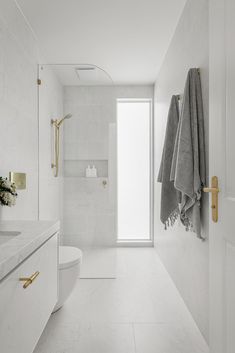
point(29, 280)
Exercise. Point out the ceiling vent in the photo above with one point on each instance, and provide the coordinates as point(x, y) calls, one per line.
point(85, 68)
point(88, 74)
point(81, 75)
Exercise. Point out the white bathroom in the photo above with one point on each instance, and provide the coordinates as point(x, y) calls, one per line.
point(116, 194)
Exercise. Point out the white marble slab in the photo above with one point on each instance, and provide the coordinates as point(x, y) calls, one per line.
point(32, 235)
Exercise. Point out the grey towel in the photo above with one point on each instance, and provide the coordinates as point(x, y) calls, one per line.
point(188, 165)
point(169, 199)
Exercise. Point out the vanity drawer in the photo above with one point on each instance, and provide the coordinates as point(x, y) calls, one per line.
point(24, 312)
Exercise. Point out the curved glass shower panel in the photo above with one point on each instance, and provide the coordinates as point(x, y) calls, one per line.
point(89, 164)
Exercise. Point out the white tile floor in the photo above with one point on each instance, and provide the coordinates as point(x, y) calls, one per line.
point(99, 263)
point(138, 312)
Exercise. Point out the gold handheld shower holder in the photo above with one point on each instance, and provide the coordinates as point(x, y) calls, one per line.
point(55, 164)
point(57, 123)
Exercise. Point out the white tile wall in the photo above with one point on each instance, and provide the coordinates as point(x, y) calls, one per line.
point(185, 257)
point(18, 109)
point(89, 218)
point(20, 147)
point(89, 208)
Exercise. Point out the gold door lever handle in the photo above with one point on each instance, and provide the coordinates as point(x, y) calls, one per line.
point(29, 280)
point(214, 189)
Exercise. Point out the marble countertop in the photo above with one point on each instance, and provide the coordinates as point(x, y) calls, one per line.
point(32, 235)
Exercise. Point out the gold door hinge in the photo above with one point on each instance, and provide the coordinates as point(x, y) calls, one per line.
point(39, 82)
point(214, 189)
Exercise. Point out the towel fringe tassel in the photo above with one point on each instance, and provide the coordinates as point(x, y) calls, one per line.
point(172, 219)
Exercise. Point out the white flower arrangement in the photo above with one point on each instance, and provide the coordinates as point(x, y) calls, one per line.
point(8, 193)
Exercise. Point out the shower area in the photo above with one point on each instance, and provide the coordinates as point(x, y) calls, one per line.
point(100, 166)
point(84, 147)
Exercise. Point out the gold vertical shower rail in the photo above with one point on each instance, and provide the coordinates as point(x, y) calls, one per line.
point(56, 123)
point(55, 164)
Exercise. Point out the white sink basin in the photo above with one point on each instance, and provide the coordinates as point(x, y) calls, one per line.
point(7, 235)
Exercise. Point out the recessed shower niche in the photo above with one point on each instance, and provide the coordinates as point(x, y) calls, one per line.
point(77, 168)
point(87, 139)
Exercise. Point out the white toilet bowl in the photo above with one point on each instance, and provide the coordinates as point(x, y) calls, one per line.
point(69, 271)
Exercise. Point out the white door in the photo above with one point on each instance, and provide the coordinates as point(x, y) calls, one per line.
point(222, 164)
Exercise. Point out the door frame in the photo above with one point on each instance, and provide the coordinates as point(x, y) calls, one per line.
point(221, 234)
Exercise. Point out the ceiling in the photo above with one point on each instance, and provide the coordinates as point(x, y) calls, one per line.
point(126, 38)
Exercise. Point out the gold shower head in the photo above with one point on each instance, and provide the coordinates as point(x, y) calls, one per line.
point(67, 116)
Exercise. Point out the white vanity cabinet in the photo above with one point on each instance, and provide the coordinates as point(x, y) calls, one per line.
point(24, 312)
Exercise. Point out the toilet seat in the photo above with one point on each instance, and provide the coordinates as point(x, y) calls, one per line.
point(69, 256)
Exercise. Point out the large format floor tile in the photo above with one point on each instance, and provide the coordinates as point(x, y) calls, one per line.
point(98, 338)
point(99, 263)
point(168, 338)
point(140, 311)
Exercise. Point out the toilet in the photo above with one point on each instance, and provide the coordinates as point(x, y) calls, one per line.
point(69, 271)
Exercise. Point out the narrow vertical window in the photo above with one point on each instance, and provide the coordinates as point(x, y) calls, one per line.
point(134, 163)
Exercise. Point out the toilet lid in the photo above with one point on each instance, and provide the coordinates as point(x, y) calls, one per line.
point(69, 256)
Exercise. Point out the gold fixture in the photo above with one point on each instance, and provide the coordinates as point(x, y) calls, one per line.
point(214, 189)
point(104, 182)
point(56, 123)
point(57, 151)
point(39, 82)
point(29, 280)
point(19, 179)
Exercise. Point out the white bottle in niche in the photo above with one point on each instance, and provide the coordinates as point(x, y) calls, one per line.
point(88, 171)
point(94, 171)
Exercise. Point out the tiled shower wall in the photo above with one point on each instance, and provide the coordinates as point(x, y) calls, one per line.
point(89, 208)
point(90, 138)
